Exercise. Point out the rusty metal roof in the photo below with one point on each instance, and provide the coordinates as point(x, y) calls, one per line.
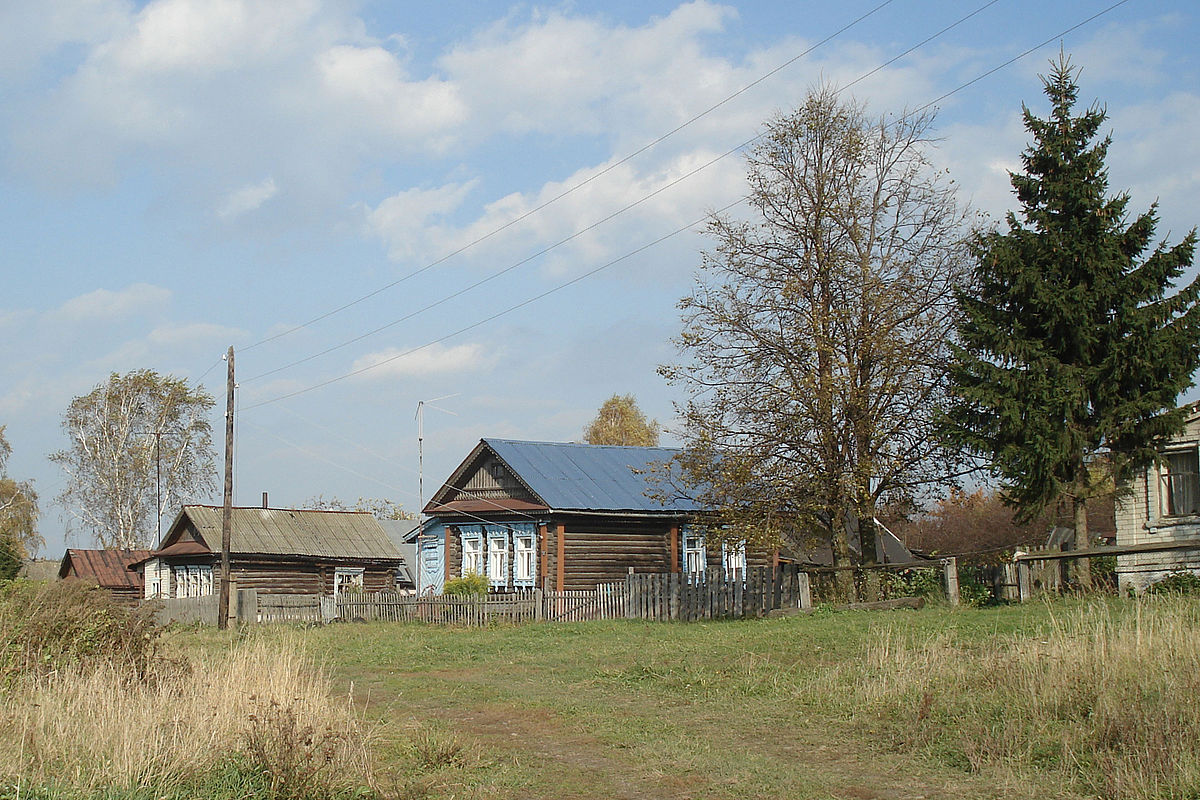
point(284, 531)
point(108, 568)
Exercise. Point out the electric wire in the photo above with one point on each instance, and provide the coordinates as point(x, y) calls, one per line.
point(407, 468)
point(352, 471)
point(581, 184)
point(592, 226)
point(517, 306)
point(492, 317)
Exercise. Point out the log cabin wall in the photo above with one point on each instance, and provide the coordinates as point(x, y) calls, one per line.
point(599, 550)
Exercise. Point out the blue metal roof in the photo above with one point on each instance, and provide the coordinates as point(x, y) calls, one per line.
point(588, 476)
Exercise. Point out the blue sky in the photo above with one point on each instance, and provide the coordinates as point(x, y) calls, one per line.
point(179, 176)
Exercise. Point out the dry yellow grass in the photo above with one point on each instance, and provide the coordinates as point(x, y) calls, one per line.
point(1105, 701)
point(261, 700)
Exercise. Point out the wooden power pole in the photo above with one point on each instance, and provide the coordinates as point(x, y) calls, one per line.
point(227, 512)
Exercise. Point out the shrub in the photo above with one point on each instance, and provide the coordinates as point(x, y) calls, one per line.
point(1176, 583)
point(470, 585)
point(47, 626)
point(925, 583)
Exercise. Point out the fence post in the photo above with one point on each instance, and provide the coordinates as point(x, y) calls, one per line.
point(539, 612)
point(1024, 581)
point(805, 591)
point(950, 570)
point(630, 602)
point(247, 606)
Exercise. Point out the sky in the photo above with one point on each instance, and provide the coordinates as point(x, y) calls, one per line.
point(382, 203)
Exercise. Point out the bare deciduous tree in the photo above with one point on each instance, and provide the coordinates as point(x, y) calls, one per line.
point(379, 507)
point(815, 339)
point(140, 444)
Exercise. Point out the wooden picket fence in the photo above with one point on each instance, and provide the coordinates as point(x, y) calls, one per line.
point(681, 597)
point(689, 598)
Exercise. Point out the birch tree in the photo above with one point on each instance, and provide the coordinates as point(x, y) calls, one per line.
point(814, 343)
point(140, 444)
point(619, 421)
point(19, 537)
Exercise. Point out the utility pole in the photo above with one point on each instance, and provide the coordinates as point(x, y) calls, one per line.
point(227, 513)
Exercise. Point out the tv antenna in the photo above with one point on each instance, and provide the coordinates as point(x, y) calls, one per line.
point(420, 417)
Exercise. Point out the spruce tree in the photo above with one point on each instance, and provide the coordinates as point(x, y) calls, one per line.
point(1073, 345)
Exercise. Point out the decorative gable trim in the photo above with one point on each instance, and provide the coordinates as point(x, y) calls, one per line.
point(485, 477)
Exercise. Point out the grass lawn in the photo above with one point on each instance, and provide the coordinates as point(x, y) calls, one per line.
point(845, 705)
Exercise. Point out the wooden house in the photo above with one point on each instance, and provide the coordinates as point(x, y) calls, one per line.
point(560, 517)
point(571, 516)
point(273, 550)
point(1161, 507)
point(108, 569)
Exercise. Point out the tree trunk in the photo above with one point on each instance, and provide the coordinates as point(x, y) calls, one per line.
point(844, 575)
point(1081, 567)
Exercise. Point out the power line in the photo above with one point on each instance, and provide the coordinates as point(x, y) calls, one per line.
point(606, 219)
point(581, 184)
point(355, 472)
point(657, 241)
point(495, 316)
point(405, 467)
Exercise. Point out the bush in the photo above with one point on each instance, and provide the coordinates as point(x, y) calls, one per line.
point(925, 583)
point(1176, 583)
point(470, 585)
point(47, 626)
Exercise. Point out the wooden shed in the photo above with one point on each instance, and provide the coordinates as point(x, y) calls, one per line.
point(273, 550)
point(108, 569)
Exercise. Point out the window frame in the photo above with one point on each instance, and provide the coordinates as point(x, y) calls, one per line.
point(1168, 493)
point(733, 560)
point(355, 574)
point(694, 548)
point(192, 580)
point(524, 559)
point(497, 559)
point(473, 556)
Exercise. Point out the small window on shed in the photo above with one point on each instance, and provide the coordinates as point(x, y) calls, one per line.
point(347, 580)
point(1181, 483)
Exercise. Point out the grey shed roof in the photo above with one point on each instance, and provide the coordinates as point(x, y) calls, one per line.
point(589, 477)
point(279, 531)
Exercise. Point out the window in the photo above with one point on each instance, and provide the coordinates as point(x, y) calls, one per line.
point(193, 581)
point(347, 579)
point(498, 561)
point(524, 565)
point(472, 560)
point(693, 555)
point(733, 557)
point(1181, 483)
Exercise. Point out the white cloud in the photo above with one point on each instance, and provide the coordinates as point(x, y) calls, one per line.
point(247, 199)
point(33, 31)
point(404, 219)
point(105, 304)
point(367, 87)
point(433, 360)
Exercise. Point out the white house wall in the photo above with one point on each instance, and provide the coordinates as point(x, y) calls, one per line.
point(1142, 518)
